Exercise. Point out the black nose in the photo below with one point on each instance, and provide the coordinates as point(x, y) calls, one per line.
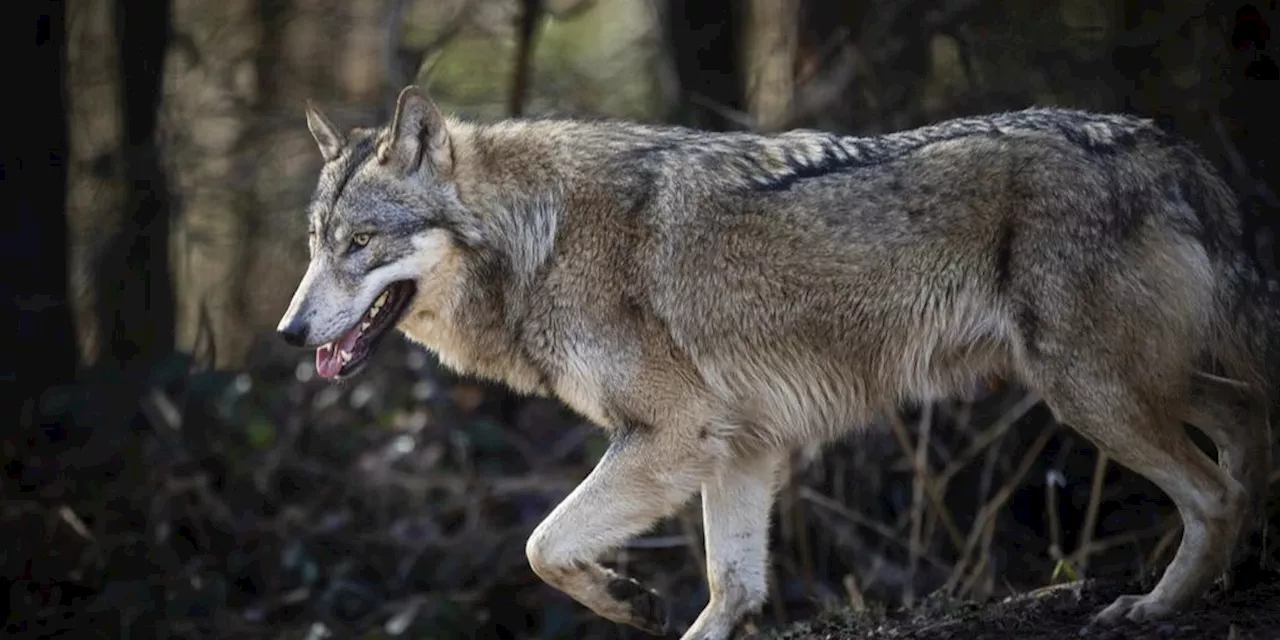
point(295, 334)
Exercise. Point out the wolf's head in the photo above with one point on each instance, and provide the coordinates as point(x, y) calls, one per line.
point(379, 225)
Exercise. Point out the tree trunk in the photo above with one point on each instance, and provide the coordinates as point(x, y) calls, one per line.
point(33, 162)
point(136, 308)
point(243, 158)
point(769, 59)
point(95, 195)
point(703, 44)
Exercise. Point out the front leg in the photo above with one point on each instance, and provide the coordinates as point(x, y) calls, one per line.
point(646, 474)
point(735, 512)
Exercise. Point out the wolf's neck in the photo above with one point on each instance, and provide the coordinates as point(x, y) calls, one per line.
point(513, 155)
point(512, 212)
point(511, 178)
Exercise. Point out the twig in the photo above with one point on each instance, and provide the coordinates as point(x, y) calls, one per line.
point(1099, 545)
point(572, 11)
point(927, 481)
point(775, 597)
point(663, 542)
point(1052, 480)
point(786, 505)
point(885, 532)
point(392, 60)
point(983, 565)
point(984, 440)
point(920, 460)
point(818, 91)
point(803, 546)
point(694, 543)
point(459, 484)
point(856, 599)
point(400, 59)
point(1081, 560)
point(161, 410)
point(526, 27)
point(1229, 382)
point(1164, 543)
point(736, 116)
point(987, 515)
point(565, 445)
point(68, 516)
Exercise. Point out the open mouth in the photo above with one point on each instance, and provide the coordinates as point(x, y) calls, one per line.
point(346, 355)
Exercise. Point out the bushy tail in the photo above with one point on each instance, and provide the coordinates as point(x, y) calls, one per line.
point(1271, 329)
point(1247, 343)
point(1266, 305)
point(1247, 346)
point(1260, 310)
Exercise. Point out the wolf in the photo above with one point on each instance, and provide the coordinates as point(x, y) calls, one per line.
point(716, 300)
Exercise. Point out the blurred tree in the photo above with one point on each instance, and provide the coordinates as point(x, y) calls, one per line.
point(33, 180)
point(136, 308)
point(237, 78)
point(770, 61)
point(702, 44)
point(78, 438)
point(133, 312)
point(527, 23)
point(95, 195)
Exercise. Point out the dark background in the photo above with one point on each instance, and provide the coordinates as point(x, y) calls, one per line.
point(172, 471)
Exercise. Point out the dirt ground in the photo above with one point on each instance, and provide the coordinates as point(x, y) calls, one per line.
point(1248, 613)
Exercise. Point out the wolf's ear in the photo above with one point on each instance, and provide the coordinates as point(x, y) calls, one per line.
point(417, 136)
point(327, 136)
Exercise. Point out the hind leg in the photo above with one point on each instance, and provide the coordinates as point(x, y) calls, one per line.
point(1135, 427)
point(1236, 421)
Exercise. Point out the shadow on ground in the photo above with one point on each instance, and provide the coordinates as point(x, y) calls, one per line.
point(1055, 613)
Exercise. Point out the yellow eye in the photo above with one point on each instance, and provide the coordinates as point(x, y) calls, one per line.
point(360, 239)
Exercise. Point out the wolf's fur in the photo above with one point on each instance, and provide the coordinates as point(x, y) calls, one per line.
point(714, 300)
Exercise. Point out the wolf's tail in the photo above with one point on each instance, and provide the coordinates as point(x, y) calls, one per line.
point(1266, 312)
point(1244, 336)
point(1252, 320)
point(1269, 309)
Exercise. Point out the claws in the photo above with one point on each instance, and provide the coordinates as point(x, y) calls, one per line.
point(648, 610)
point(1133, 608)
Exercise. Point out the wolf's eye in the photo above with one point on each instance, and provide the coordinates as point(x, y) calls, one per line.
point(359, 240)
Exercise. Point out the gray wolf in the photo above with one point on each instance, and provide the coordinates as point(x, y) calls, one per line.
point(715, 300)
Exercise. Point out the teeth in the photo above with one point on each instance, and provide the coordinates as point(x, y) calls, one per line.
point(345, 355)
point(377, 305)
point(364, 326)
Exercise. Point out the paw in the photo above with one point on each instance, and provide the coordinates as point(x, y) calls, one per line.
point(1134, 608)
point(747, 628)
point(648, 610)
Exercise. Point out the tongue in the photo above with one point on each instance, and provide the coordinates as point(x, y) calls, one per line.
point(328, 356)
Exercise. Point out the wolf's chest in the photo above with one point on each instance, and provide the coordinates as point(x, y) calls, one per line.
point(583, 378)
